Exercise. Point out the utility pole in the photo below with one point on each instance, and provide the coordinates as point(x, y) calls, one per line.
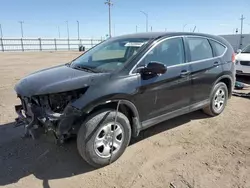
point(241, 31)
point(109, 3)
point(136, 28)
point(1, 31)
point(21, 22)
point(67, 28)
point(59, 33)
point(78, 29)
point(146, 15)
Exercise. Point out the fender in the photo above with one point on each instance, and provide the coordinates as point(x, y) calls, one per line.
point(136, 123)
point(228, 76)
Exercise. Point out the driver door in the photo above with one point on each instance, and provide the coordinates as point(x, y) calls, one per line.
point(168, 92)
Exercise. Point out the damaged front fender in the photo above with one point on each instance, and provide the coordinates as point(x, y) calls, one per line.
point(52, 112)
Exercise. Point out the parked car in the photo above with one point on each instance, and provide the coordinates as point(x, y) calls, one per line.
point(124, 85)
point(243, 61)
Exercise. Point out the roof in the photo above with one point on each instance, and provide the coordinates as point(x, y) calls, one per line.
point(154, 35)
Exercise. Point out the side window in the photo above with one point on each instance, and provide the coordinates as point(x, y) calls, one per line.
point(199, 48)
point(169, 52)
point(219, 49)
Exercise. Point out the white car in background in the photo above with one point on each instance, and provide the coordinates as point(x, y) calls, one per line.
point(243, 61)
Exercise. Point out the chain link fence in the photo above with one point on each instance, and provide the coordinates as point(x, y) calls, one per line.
point(44, 44)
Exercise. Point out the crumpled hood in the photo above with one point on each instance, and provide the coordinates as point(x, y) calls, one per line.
point(243, 57)
point(57, 79)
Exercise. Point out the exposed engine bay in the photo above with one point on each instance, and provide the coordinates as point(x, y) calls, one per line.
point(49, 113)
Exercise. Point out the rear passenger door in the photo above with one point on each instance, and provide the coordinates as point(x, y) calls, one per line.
point(205, 67)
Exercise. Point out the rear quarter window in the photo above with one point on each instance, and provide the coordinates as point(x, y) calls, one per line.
point(200, 48)
point(218, 48)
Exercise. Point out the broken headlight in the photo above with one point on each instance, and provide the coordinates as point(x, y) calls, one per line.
point(57, 102)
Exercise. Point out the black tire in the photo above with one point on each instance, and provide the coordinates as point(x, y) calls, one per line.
point(89, 130)
point(211, 109)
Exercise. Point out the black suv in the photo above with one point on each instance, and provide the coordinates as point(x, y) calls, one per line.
point(124, 85)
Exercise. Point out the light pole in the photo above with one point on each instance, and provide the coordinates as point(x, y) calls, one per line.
point(67, 28)
point(1, 31)
point(194, 29)
point(183, 29)
point(59, 33)
point(109, 3)
point(78, 29)
point(21, 22)
point(241, 30)
point(146, 15)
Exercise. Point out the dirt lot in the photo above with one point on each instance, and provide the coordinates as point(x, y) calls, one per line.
point(190, 151)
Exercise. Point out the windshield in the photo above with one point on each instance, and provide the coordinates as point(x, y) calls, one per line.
point(109, 55)
point(246, 50)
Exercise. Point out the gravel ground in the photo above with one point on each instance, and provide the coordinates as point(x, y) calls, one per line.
point(190, 151)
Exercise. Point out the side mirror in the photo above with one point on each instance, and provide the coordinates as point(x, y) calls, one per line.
point(239, 51)
point(153, 68)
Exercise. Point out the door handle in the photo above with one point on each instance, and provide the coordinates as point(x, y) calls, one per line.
point(216, 63)
point(185, 73)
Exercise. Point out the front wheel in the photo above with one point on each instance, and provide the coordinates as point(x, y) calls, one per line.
point(218, 100)
point(101, 140)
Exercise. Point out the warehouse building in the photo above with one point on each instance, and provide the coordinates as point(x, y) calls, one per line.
point(235, 40)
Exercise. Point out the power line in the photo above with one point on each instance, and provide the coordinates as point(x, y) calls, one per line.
point(109, 3)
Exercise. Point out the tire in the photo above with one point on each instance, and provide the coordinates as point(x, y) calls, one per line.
point(94, 137)
point(211, 109)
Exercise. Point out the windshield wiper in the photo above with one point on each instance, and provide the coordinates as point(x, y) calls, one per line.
point(87, 69)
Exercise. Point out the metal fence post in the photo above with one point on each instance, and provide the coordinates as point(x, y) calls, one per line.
point(22, 44)
point(55, 45)
point(2, 44)
point(81, 42)
point(40, 43)
point(68, 45)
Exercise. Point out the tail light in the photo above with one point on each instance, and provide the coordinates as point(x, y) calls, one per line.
point(233, 57)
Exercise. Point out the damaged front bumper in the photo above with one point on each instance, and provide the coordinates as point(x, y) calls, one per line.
point(37, 119)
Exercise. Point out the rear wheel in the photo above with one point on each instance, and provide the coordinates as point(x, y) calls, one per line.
point(100, 135)
point(218, 100)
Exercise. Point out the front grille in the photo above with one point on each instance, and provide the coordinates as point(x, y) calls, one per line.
point(245, 63)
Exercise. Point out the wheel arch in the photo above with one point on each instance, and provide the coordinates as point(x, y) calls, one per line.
point(125, 106)
point(226, 79)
